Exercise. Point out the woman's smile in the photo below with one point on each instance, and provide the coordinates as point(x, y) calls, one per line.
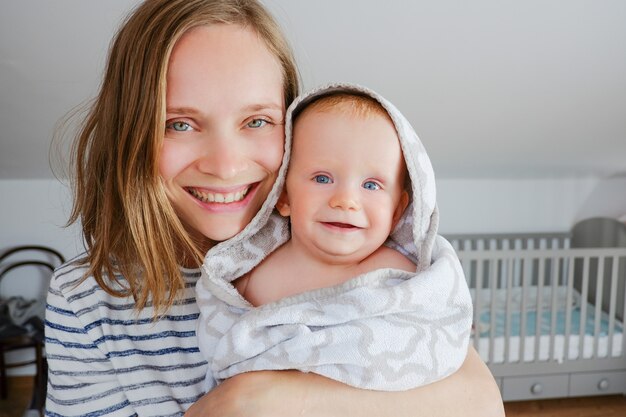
point(208, 196)
point(224, 200)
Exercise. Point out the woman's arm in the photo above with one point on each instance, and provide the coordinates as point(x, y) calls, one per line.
point(471, 391)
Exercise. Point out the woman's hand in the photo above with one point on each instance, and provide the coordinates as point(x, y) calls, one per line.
point(471, 391)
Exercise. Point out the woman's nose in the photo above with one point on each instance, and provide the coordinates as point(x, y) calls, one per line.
point(222, 158)
point(344, 198)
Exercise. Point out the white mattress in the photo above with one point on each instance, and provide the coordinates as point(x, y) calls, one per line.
point(608, 342)
point(573, 351)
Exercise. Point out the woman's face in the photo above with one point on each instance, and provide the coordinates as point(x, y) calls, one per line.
point(225, 129)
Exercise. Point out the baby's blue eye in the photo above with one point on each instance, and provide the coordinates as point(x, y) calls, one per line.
point(256, 123)
point(322, 179)
point(179, 126)
point(371, 185)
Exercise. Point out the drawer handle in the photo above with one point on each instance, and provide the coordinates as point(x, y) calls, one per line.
point(536, 388)
point(603, 385)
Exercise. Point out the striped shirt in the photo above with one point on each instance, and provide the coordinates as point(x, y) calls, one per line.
point(105, 358)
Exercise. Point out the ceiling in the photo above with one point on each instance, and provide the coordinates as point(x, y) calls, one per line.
point(495, 89)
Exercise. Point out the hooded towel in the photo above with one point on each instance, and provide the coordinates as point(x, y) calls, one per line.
point(384, 330)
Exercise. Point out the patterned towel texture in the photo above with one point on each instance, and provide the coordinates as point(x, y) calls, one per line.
point(384, 330)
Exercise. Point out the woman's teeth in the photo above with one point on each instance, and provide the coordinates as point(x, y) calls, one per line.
point(219, 197)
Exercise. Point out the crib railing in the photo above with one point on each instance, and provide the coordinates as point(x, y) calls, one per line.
point(537, 301)
point(514, 241)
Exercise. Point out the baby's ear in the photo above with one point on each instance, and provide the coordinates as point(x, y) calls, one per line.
point(402, 204)
point(282, 205)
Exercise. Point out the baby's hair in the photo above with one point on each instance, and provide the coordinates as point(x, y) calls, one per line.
point(353, 104)
point(129, 226)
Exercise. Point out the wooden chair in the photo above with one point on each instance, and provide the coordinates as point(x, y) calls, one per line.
point(29, 336)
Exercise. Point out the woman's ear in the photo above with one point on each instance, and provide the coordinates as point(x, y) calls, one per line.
point(282, 205)
point(402, 205)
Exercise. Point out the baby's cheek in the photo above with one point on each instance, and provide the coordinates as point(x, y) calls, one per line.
point(385, 213)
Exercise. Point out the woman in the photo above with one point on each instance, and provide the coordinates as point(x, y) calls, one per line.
point(178, 153)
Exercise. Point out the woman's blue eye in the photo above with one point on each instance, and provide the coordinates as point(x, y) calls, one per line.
point(256, 123)
point(179, 126)
point(322, 179)
point(371, 185)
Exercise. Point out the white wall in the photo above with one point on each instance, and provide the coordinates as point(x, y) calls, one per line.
point(35, 212)
point(507, 205)
point(608, 199)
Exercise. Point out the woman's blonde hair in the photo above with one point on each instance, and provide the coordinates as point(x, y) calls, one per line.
point(129, 226)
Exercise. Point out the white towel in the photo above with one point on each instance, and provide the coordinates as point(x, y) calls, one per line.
point(384, 330)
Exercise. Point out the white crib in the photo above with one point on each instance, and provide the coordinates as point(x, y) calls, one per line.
point(548, 318)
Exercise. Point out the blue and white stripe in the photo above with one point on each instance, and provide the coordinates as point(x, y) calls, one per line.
point(106, 359)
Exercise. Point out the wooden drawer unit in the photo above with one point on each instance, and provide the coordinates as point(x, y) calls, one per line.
point(525, 388)
point(597, 383)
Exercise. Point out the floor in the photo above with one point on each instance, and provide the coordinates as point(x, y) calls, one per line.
point(609, 406)
point(20, 389)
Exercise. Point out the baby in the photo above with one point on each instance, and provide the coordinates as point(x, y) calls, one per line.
point(347, 278)
point(344, 193)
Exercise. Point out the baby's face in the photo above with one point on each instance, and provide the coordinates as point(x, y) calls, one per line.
point(344, 184)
